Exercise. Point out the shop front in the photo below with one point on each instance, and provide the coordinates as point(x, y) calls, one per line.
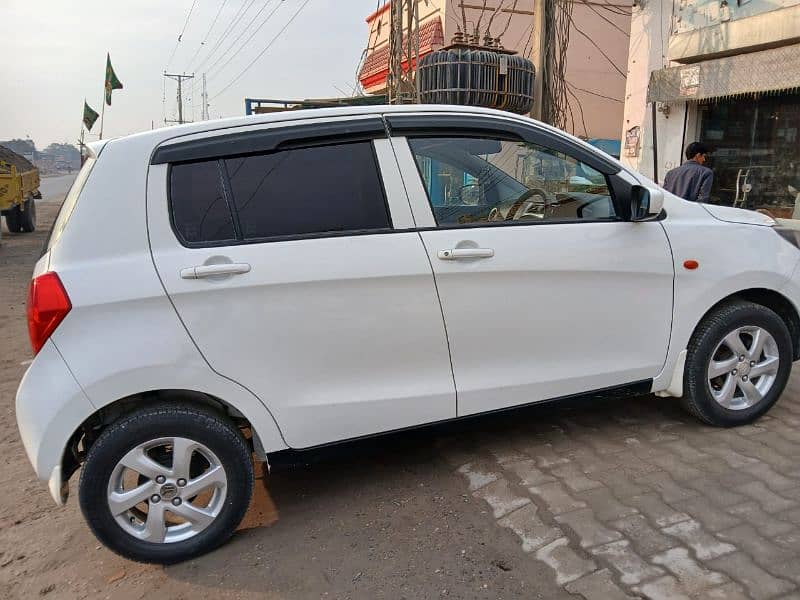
point(746, 109)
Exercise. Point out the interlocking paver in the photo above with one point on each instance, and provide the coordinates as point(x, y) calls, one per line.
point(573, 477)
point(586, 526)
point(663, 588)
point(713, 518)
point(694, 578)
point(748, 539)
point(710, 487)
point(779, 444)
point(531, 530)
point(666, 487)
point(705, 545)
point(734, 459)
point(656, 510)
point(633, 569)
point(545, 455)
point(764, 522)
point(564, 561)
point(597, 586)
point(769, 500)
point(620, 482)
point(529, 473)
point(759, 583)
point(679, 470)
point(501, 498)
point(477, 475)
point(605, 505)
point(729, 591)
point(686, 451)
point(647, 540)
point(557, 499)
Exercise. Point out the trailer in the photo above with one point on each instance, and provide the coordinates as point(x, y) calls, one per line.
point(19, 190)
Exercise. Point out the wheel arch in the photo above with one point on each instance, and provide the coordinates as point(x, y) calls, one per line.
point(89, 430)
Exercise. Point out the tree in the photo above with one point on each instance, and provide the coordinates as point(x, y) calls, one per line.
point(66, 152)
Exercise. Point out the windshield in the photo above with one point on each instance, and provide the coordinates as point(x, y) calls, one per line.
point(69, 203)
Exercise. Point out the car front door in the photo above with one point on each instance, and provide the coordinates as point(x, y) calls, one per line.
point(293, 263)
point(547, 291)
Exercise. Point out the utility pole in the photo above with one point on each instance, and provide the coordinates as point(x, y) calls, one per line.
point(401, 83)
point(204, 110)
point(179, 78)
point(537, 57)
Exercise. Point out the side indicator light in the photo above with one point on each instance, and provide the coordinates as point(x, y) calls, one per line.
point(690, 264)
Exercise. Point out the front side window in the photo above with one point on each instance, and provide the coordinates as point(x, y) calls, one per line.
point(474, 181)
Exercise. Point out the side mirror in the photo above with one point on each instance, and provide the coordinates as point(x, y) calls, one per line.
point(646, 202)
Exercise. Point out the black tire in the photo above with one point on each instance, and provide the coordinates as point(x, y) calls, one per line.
point(13, 219)
point(27, 223)
point(697, 398)
point(205, 426)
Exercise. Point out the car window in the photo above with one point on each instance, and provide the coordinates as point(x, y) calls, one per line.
point(275, 195)
point(473, 181)
point(313, 190)
point(200, 210)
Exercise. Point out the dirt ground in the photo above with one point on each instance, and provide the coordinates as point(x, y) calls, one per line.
point(386, 519)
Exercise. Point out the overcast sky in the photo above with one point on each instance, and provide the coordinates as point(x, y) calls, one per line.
point(54, 55)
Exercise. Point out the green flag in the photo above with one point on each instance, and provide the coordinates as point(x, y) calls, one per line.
point(112, 83)
point(89, 116)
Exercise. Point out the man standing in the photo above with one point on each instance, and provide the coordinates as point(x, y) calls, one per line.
point(691, 181)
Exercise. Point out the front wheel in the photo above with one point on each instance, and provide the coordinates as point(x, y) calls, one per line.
point(166, 483)
point(737, 364)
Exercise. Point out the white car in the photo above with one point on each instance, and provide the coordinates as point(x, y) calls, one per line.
point(245, 286)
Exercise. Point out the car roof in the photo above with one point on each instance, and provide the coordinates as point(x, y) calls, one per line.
point(157, 136)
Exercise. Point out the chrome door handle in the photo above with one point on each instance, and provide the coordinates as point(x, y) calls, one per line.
point(461, 253)
point(201, 271)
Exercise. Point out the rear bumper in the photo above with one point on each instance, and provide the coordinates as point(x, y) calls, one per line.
point(50, 407)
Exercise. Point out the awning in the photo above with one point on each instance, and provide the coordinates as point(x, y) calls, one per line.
point(757, 72)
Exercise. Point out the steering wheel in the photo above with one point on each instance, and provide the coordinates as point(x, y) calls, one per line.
point(524, 203)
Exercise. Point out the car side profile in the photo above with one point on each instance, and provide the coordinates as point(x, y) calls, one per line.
point(298, 279)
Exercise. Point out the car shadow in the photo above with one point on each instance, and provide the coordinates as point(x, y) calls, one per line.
point(319, 516)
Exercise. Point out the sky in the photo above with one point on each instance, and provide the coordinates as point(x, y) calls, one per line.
point(55, 57)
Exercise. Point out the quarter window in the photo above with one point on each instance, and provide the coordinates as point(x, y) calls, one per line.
point(199, 208)
point(474, 181)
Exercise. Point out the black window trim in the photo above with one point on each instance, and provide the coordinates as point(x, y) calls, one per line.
point(298, 144)
point(617, 187)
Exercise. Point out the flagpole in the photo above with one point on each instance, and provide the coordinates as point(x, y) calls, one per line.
point(102, 112)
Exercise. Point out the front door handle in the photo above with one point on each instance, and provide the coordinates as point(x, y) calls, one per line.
point(201, 271)
point(462, 253)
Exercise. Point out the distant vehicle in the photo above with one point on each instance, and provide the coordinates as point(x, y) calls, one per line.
point(19, 189)
point(303, 278)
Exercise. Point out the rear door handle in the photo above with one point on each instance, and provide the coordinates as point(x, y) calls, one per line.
point(462, 253)
point(201, 271)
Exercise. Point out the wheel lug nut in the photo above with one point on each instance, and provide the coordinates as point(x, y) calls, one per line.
point(181, 482)
point(744, 377)
point(741, 357)
point(176, 501)
point(160, 479)
point(734, 372)
point(155, 498)
point(752, 363)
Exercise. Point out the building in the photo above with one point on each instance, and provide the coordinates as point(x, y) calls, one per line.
point(727, 73)
point(596, 82)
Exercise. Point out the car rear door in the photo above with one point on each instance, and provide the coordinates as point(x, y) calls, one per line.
point(546, 289)
point(289, 253)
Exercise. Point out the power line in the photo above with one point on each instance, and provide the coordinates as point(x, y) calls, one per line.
point(208, 33)
point(596, 45)
point(247, 41)
point(607, 20)
point(267, 47)
point(243, 8)
point(180, 35)
point(598, 94)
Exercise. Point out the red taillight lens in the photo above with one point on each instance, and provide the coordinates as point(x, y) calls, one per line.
point(48, 304)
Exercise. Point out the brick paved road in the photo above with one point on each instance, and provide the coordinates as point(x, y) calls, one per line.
point(633, 498)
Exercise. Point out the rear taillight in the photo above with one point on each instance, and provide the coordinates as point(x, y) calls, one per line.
point(48, 304)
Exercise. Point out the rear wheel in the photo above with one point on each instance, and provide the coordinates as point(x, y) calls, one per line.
point(27, 222)
point(166, 483)
point(737, 364)
point(13, 219)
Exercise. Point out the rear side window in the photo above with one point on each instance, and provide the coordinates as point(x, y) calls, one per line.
point(278, 195)
point(199, 208)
